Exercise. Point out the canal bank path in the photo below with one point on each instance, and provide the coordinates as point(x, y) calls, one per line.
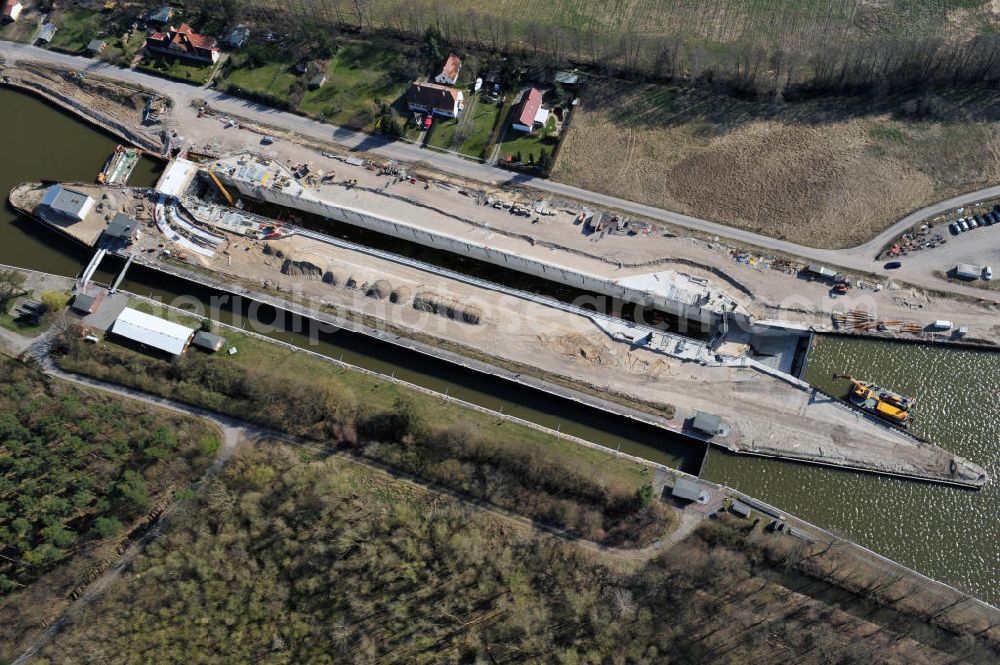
point(861, 257)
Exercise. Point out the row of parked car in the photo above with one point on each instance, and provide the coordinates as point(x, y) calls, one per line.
point(975, 221)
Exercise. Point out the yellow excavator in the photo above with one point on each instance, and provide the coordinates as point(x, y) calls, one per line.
point(225, 192)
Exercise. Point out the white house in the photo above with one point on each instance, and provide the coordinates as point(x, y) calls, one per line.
point(12, 10)
point(530, 113)
point(435, 99)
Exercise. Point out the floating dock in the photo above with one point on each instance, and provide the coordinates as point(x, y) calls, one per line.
point(119, 166)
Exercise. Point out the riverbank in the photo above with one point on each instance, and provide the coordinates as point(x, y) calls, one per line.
point(112, 107)
point(764, 414)
point(843, 563)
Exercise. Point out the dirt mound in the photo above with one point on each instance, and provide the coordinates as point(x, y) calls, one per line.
point(380, 289)
point(334, 277)
point(447, 307)
point(303, 268)
point(400, 295)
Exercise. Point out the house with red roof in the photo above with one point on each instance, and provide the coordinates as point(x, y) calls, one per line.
point(435, 99)
point(11, 10)
point(449, 73)
point(184, 42)
point(529, 112)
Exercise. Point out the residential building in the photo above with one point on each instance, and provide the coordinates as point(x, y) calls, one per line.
point(449, 73)
point(12, 11)
point(62, 204)
point(184, 42)
point(529, 112)
point(435, 99)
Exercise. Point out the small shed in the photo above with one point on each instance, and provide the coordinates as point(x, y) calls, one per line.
point(47, 32)
point(161, 16)
point(97, 46)
point(687, 489)
point(237, 37)
point(208, 341)
point(567, 78)
point(706, 423)
point(317, 81)
point(740, 508)
point(83, 304)
point(121, 227)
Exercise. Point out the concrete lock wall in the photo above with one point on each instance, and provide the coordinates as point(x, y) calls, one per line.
point(506, 259)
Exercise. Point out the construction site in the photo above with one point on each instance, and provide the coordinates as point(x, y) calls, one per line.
point(759, 406)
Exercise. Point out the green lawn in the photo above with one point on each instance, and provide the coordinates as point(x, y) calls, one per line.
point(359, 78)
point(271, 77)
point(77, 27)
point(175, 68)
point(484, 117)
point(442, 132)
point(476, 124)
point(529, 145)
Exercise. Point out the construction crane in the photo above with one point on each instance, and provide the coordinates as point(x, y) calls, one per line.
point(225, 192)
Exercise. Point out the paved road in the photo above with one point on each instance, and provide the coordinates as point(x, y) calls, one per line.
point(860, 258)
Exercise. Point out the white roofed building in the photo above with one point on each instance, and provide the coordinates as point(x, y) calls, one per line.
point(176, 178)
point(61, 204)
point(152, 331)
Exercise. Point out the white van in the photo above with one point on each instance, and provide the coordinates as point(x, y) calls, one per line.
point(941, 324)
point(988, 273)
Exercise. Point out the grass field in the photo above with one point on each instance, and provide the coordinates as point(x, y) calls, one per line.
point(77, 27)
point(176, 69)
point(359, 77)
point(376, 395)
point(825, 173)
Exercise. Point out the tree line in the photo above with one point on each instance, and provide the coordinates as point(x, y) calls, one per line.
point(767, 48)
point(515, 475)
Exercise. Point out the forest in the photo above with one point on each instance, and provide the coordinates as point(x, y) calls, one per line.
point(78, 472)
point(758, 46)
point(517, 469)
point(290, 557)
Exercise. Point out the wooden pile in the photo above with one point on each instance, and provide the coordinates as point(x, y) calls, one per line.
point(857, 320)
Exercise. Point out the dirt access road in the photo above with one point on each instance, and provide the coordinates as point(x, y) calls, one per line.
point(860, 258)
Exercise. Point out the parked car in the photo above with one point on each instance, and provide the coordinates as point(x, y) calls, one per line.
point(979, 220)
point(955, 228)
point(992, 217)
point(973, 224)
point(267, 140)
point(892, 265)
point(988, 273)
point(963, 224)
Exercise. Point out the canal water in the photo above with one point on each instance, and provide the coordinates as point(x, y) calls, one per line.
point(51, 145)
point(949, 534)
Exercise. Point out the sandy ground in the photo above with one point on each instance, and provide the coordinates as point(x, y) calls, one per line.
point(768, 415)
